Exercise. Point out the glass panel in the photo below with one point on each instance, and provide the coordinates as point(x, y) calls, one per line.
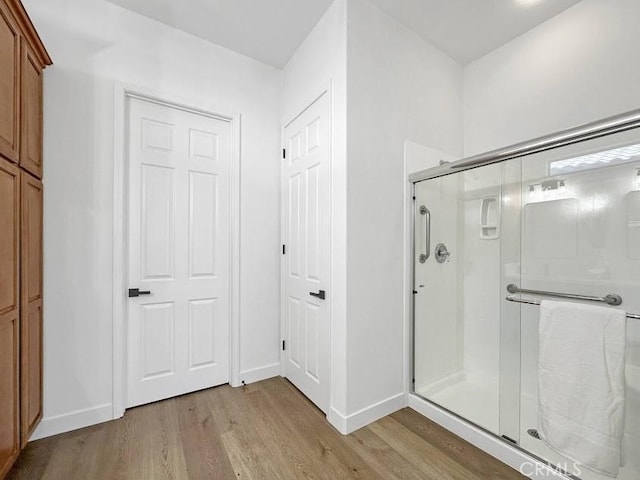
point(581, 234)
point(458, 334)
point(566, 220)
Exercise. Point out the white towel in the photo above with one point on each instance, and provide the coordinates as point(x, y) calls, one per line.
point(581, 387)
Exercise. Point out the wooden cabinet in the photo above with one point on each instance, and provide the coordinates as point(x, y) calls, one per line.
point(22, 61)
point(31, 112)
point(31, 305)
point(9, 85)
point(9, 314)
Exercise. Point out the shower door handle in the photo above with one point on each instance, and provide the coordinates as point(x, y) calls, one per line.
point(427, 233)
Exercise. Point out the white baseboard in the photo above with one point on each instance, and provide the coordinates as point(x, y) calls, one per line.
point(258, 374)
point(347, 424)
point(512, 456)
point(50, 426)
point(338, 420)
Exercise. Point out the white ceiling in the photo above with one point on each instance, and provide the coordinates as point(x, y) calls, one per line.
point(271, 30)
point(267, 30)
point(469, 29)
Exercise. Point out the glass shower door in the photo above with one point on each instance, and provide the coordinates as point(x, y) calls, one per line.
point(581, 235)
point(564, 220)
point(466, 226)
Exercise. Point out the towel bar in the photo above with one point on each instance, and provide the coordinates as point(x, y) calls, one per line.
point(511, 298)
point(611, 299)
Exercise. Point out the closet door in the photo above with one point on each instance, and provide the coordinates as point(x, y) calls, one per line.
point(31, 318)
point(31, 112)
point(9, 85)
point(9, 314)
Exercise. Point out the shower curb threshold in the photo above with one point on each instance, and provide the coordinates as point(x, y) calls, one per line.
point(510, 455)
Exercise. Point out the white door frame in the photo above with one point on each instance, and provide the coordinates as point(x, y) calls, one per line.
point(122, 93)
point(327, 90)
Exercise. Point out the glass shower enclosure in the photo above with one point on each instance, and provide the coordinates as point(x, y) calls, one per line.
point(562, 218)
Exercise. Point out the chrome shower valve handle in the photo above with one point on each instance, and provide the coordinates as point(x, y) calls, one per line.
point(442, 254)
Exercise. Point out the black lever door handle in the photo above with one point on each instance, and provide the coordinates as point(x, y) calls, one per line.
point(136, 292)
point(321, 294)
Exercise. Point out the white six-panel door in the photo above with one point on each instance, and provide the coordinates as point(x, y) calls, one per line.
point(306, 266)
point(178, 249)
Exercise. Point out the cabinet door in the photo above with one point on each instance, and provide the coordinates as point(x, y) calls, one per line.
point(9, 85)
point(9, 312)
point(31, 112)
point(31, 316)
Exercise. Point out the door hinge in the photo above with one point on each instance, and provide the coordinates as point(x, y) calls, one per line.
point(284, 249)
point(284, 153)
point(283, 345)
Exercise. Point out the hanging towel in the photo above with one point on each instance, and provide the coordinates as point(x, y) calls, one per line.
point(581, 384)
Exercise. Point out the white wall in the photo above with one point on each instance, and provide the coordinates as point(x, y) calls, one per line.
point(94, 43)
point(577, 67)
point(320, 62)
point(388, 86)
point(399, 88)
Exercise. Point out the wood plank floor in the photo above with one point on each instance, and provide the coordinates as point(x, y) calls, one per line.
point(267, 430)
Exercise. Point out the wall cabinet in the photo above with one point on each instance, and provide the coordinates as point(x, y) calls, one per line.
point(30, 112)
point(22, 61)
point(9, 84)
point(31, 305)
point(9, 314)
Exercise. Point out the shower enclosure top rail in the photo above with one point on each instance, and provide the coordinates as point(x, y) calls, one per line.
point(618, 123)
point(610, 299)
point(512, 298)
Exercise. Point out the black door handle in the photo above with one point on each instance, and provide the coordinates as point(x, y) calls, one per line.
point(321, 294)
point(136, 292)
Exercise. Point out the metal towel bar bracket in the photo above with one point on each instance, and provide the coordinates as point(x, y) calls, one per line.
point(527, 301)
point(611, 299)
